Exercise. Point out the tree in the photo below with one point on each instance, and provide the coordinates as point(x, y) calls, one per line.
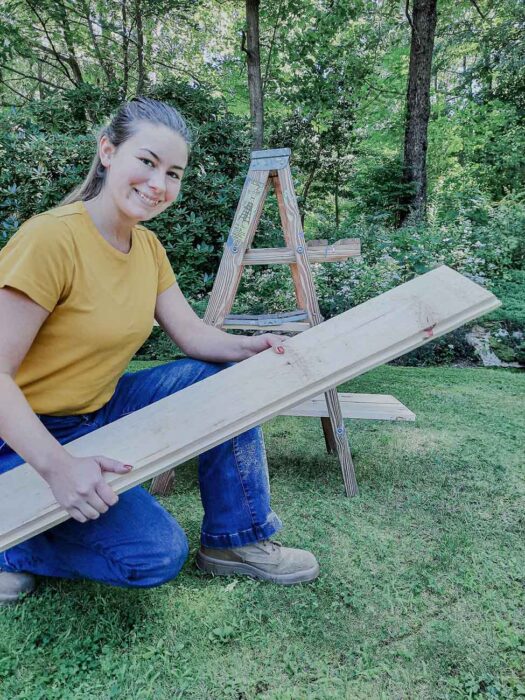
point(250, 45)
point(423, 25)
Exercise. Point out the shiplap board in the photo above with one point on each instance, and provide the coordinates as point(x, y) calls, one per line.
point(356, 406)
point(181, 426)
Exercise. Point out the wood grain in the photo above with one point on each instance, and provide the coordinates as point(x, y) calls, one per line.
point(173, 430)
point(356, 407)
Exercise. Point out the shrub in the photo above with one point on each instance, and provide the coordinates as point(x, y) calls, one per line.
point(39, 165)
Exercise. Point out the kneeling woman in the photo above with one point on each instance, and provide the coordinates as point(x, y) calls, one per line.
point(79, 288)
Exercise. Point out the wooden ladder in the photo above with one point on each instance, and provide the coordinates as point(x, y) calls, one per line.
point(267, 168)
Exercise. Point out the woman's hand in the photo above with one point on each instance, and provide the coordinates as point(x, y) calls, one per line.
point(80, 488)
point(257, 343)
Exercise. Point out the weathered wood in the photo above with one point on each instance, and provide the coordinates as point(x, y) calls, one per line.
point(271, 153)
point(275, 167)
point(240, 237)
point(286, 327)
point(173, 430)
point(315, 254)
point(163, 483)
point(356, 407)
point(333, 427)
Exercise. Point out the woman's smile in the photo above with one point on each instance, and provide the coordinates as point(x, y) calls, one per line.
point(149, 201)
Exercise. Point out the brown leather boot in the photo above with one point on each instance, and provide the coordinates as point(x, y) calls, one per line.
point(265, 560)
point(12, 586)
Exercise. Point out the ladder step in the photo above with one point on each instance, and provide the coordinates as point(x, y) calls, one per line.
point(288, 320)
point(269, 319)
point(342, 250)
point(356, 406)
point(291, 327)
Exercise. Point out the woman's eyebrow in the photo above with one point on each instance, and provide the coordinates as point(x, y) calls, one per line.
point(178, 167)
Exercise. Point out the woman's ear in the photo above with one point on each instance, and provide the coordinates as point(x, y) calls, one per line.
point(106, 151)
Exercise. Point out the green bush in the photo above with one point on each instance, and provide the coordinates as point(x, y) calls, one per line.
point(511, 292)
point(39, 165)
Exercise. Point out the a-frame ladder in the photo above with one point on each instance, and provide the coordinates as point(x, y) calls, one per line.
point(267, 169)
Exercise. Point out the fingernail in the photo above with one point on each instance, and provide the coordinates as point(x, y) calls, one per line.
point(128, 466)
point(280, 349)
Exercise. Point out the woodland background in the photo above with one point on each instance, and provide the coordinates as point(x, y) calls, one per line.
point(405, 121)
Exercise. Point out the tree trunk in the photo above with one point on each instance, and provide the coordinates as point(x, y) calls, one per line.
point(423, 23)
point(125, 48)
point(253, 60)
point(70, 43)
point(141, 82)
point(337, 181)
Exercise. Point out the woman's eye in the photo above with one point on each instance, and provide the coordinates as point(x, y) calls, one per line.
point(147, 161)
point(174, 175)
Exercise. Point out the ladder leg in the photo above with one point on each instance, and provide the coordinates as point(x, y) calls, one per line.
point(335, 433)
point(329, 438)
point(163, 484)
point(341, 441)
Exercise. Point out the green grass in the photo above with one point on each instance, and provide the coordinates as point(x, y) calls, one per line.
point(422, 586)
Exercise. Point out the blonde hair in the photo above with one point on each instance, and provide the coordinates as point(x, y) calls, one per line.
point(120, 129)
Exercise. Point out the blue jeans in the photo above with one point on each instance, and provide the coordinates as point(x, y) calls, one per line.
point(137, 543)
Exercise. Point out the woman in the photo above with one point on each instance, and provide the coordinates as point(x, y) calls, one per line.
point(79, 287)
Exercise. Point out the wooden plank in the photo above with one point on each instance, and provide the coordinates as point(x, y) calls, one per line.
point(181, 426)
point(356, 407)
point(315, 254)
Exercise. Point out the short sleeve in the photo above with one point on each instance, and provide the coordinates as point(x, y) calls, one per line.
point(166, 275)
point(38, 260)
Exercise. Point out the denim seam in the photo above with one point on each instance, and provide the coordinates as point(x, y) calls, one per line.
point(5, 561)
point(239, 471)
point(267, 523)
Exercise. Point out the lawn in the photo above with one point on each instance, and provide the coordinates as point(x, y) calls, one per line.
point(422, 586)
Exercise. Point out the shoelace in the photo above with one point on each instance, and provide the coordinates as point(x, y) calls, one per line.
point(264, 544)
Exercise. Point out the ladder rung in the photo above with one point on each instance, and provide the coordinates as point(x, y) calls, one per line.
point(316, 254)
point(268, 319)
point(290, 326)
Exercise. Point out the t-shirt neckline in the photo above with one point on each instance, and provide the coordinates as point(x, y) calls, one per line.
point(106, 244)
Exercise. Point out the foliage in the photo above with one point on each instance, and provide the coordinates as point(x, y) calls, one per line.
point(335, 88)
point(38, 166)
point(511, 291)
point(421, 590)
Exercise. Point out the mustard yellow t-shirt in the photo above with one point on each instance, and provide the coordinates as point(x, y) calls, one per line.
point(101, 303)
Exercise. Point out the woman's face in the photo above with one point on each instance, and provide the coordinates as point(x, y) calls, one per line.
point(143, 175)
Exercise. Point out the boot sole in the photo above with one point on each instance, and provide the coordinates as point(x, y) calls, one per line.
point(11, 599)
point(219, 567)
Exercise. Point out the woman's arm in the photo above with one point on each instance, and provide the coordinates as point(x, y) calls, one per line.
point(76, 483)
point(201, 341)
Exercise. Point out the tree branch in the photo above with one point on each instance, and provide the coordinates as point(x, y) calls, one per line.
point(266, 70)
point(157, 61)
point(243, 42)
point(407, 14)
point(5, 82)
point(57, 54)
point(32, 77)
point(480, 13)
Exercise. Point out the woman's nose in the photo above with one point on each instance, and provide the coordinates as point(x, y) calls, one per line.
point(157, 181)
